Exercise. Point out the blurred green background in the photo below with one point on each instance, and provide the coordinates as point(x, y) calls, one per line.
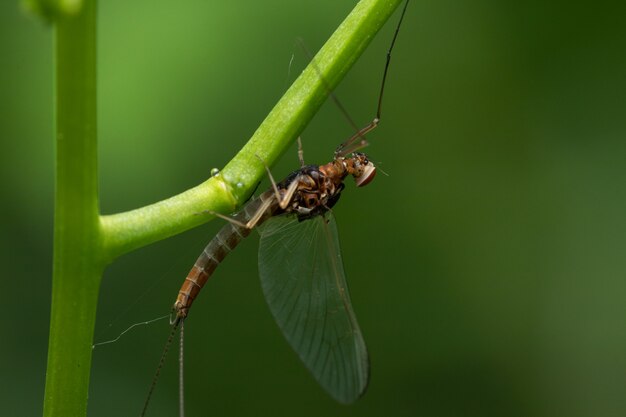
point(488, 269)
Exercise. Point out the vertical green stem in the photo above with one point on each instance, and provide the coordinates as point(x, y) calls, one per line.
point(77, 267)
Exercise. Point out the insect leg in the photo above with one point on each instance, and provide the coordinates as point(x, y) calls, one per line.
point(285, 199)
point(253, 220)
point(300, 152)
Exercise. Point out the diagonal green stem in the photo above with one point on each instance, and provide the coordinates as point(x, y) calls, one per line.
point(85, 242)
point(127, 231)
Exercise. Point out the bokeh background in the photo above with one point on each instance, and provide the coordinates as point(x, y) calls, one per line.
point(488, 269)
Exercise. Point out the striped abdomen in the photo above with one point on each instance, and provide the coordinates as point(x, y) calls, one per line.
point(225, 241)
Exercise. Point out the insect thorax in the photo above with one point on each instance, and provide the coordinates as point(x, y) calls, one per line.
point(316, 191)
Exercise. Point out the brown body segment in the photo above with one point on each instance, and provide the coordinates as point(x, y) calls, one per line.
point(214, 253)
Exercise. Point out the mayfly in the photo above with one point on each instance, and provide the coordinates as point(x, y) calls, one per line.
point(300, 264)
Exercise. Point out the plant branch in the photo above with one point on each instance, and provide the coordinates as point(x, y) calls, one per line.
point(224, 193)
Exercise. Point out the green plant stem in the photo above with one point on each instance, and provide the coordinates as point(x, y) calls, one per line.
point(85, 242)
point(224, 193)
point(77, 267)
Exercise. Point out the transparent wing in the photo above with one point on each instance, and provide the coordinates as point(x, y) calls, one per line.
point(305, 287)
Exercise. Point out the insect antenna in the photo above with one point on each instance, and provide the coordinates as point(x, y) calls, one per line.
point(155, 378)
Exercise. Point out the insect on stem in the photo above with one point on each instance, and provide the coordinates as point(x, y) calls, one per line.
point(300, 224)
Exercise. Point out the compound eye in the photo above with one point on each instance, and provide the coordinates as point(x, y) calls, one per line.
point(361, 158)
point(368, 174)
